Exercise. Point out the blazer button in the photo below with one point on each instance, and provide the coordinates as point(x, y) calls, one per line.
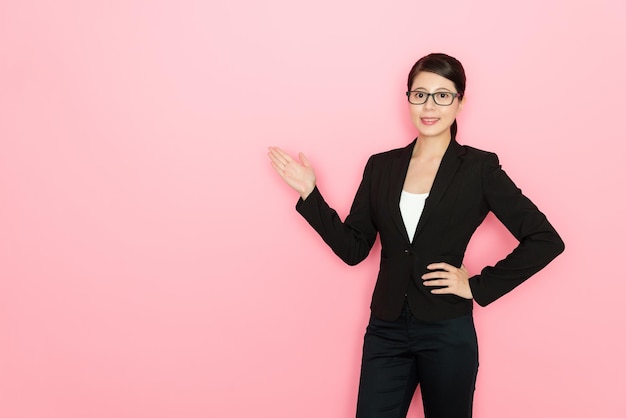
point(408, 252)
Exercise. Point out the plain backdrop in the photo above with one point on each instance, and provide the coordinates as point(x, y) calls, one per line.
point(152, 264)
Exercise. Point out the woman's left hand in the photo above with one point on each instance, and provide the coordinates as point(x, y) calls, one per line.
point(454, 280)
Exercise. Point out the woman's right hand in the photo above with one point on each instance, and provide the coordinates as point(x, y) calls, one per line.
point(297, 174)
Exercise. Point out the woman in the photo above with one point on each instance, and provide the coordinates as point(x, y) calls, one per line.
point(425, 201)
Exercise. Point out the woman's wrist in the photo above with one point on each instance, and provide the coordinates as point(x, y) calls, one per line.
point(305, 193)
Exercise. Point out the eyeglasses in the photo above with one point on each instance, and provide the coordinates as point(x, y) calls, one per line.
point(441, 98)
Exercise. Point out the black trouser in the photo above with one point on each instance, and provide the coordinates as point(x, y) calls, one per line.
point(440, 356)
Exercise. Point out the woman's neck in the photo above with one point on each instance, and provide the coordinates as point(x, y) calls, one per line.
point(431, 147)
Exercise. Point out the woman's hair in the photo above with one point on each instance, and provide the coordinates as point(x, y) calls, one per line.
point(445, 66)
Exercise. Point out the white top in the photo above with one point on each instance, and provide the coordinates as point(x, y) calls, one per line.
point(411, 208)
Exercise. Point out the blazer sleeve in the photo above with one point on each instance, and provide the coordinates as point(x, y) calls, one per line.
point(353, 239)
point(539, 243)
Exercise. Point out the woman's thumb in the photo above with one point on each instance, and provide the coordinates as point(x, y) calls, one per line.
point(305, 161)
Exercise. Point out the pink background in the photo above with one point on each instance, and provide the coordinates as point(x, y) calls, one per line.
point(152, 264)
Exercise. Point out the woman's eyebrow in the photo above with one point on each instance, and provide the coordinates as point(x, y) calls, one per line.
point(437, 89)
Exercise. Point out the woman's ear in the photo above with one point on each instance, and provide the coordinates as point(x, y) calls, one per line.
point(461, 104)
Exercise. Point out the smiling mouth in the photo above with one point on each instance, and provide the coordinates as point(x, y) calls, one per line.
point(429, 121)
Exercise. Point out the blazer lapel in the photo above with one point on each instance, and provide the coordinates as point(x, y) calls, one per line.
point(399, 168)
point(447, 168)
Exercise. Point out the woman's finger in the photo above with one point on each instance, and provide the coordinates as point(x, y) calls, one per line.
point(435, 275)
point(279, 158)
point(305, 161)
point(282, 155)
point(273, 154)
point(436, 282)
point(440, 266)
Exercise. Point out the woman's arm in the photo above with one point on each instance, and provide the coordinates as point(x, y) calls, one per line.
point(539, 243)
point(350, 240)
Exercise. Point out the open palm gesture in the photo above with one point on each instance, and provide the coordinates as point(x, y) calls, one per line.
point(297, 174)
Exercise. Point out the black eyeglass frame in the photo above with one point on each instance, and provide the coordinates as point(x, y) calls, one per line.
point(454, 96)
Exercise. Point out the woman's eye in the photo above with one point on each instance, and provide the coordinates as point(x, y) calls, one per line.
point(444, 95)
point(419, 95)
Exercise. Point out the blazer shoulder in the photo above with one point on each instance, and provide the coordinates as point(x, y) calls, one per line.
point(393, 153)
point(478, 154)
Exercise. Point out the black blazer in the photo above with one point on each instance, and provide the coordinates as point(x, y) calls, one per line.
point(468, 184)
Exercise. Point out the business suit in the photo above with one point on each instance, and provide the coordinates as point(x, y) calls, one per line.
point(468, 185)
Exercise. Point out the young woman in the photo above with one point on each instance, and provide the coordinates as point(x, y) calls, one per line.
point(425, 201)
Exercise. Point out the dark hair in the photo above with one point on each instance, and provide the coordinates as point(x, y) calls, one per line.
point(445, 66)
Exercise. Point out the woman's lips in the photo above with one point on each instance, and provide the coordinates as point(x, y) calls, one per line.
point(429, 121)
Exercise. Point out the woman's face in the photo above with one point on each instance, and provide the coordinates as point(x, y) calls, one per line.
point(430, 119)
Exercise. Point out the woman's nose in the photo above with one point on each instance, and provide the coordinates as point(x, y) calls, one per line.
point(430, 102)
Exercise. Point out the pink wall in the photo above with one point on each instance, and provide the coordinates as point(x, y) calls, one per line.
point(152, 264)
